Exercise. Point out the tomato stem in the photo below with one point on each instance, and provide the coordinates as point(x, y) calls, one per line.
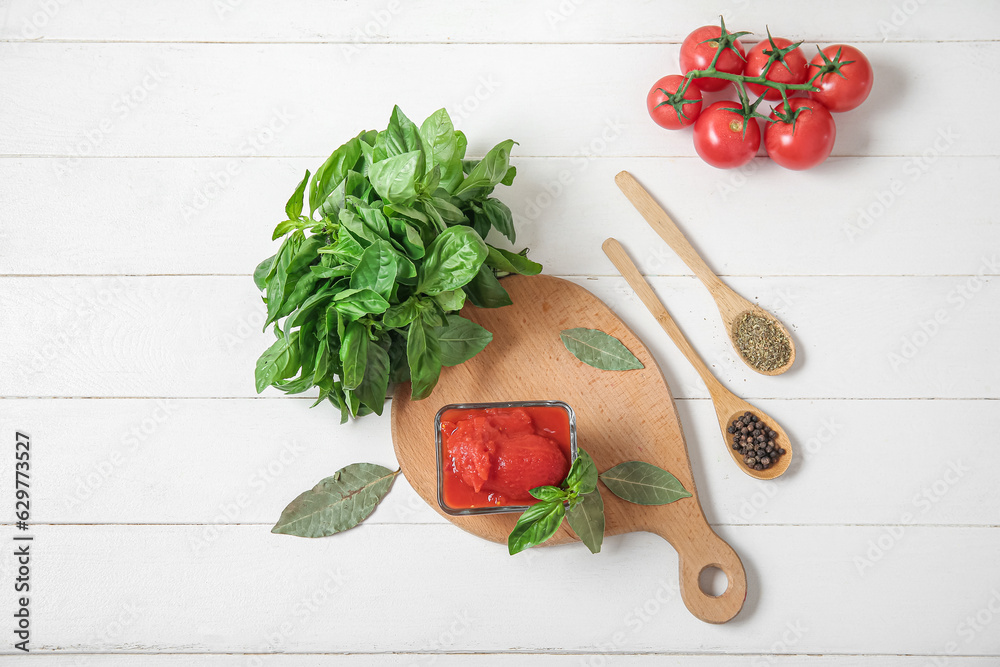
point(727, 40)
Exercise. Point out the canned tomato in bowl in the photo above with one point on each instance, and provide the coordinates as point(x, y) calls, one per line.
point(490, 455)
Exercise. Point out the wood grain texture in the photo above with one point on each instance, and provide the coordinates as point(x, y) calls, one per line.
point(513, 659)
point(432, 588)
point(178, 220)
point(620, 416)
point(248, 100)
point(359, 23)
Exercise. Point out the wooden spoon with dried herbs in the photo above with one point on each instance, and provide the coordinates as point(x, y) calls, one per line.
point(760, 340)
point(756, 442)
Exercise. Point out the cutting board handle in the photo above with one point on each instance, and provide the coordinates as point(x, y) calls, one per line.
point(697, 550)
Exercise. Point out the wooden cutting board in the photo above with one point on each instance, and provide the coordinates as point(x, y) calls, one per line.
point(621, 416)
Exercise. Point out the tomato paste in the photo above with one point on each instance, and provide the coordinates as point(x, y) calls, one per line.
point(493, 457)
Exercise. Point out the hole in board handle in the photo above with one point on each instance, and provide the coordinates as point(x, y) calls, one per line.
point(712, 581)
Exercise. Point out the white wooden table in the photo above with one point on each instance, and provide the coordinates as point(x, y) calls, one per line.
point(146, 151)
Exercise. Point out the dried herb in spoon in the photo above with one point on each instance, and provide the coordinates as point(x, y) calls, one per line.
point(761, 342)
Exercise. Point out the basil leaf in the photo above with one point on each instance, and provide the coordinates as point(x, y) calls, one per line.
point(424, 358)
point(441, 147)
point(352, 222)
point(452, 260)
point(293, 209)
point(354, 354)
point(447, 211)
point(271, 365)
point(372, 390)
point(509, 262)
point(460, 340)
point(508, 180)
point(643, 484)
point(538, 523)
point(598, 349)
point(401, 314)
point(480, 223)
point(333, 172)
point(399, 369)
point(395, 178)
point(337, 503)
point(499, 217)
point(353, 185)
point(276, 289)
point(487, 173)
point(408, 237)
point(263, 272)
point(586, 519)
point(451, 300)
point(347, 249)
point(357, 303)
point(401, 136)
point(582, 476)
point(376, 269)
point(331, 271)
point(549, 493)
point(406, 271)
point(322, 366)
point(286, 226)
point(485, 291)
point(373, 220)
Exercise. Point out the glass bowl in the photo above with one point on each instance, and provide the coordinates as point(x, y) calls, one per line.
point(439, 450)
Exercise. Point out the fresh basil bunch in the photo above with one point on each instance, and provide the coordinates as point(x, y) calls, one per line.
point(369, 283)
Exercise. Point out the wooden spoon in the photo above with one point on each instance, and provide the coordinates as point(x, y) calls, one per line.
point(728, 406)
point(731, 305)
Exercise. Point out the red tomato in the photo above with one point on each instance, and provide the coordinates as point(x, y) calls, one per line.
point(847, 90)
point(662, 113)
point(698, 50)
point(806, 144)
point(792, 68)
point(719, 137)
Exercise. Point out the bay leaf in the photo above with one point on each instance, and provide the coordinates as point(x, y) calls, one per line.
point(598, 349)
point(337, 503)
point(643, 483)
point(587, 520)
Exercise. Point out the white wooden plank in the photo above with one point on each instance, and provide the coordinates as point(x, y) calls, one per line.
point(493, 660)
point(857, 337)
point(264, 100)
point(426, 588)
point(223, 462)
point(215, 215)
point(481, 21)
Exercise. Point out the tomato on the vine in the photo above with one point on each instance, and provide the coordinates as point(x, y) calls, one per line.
point(848, 86)
point(663, 113)
point(806, 142)
point(698, 50)
point(724, 138)
point(791, 68)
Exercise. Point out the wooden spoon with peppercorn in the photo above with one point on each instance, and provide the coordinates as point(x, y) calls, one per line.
point(759, 338)
point(755, 441)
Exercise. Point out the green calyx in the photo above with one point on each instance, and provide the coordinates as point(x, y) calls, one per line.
point(676, 100)
point(775, 54)
point(829, 65)
point(726, 40)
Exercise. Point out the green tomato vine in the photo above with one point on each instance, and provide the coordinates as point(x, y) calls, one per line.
point(748, 109)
